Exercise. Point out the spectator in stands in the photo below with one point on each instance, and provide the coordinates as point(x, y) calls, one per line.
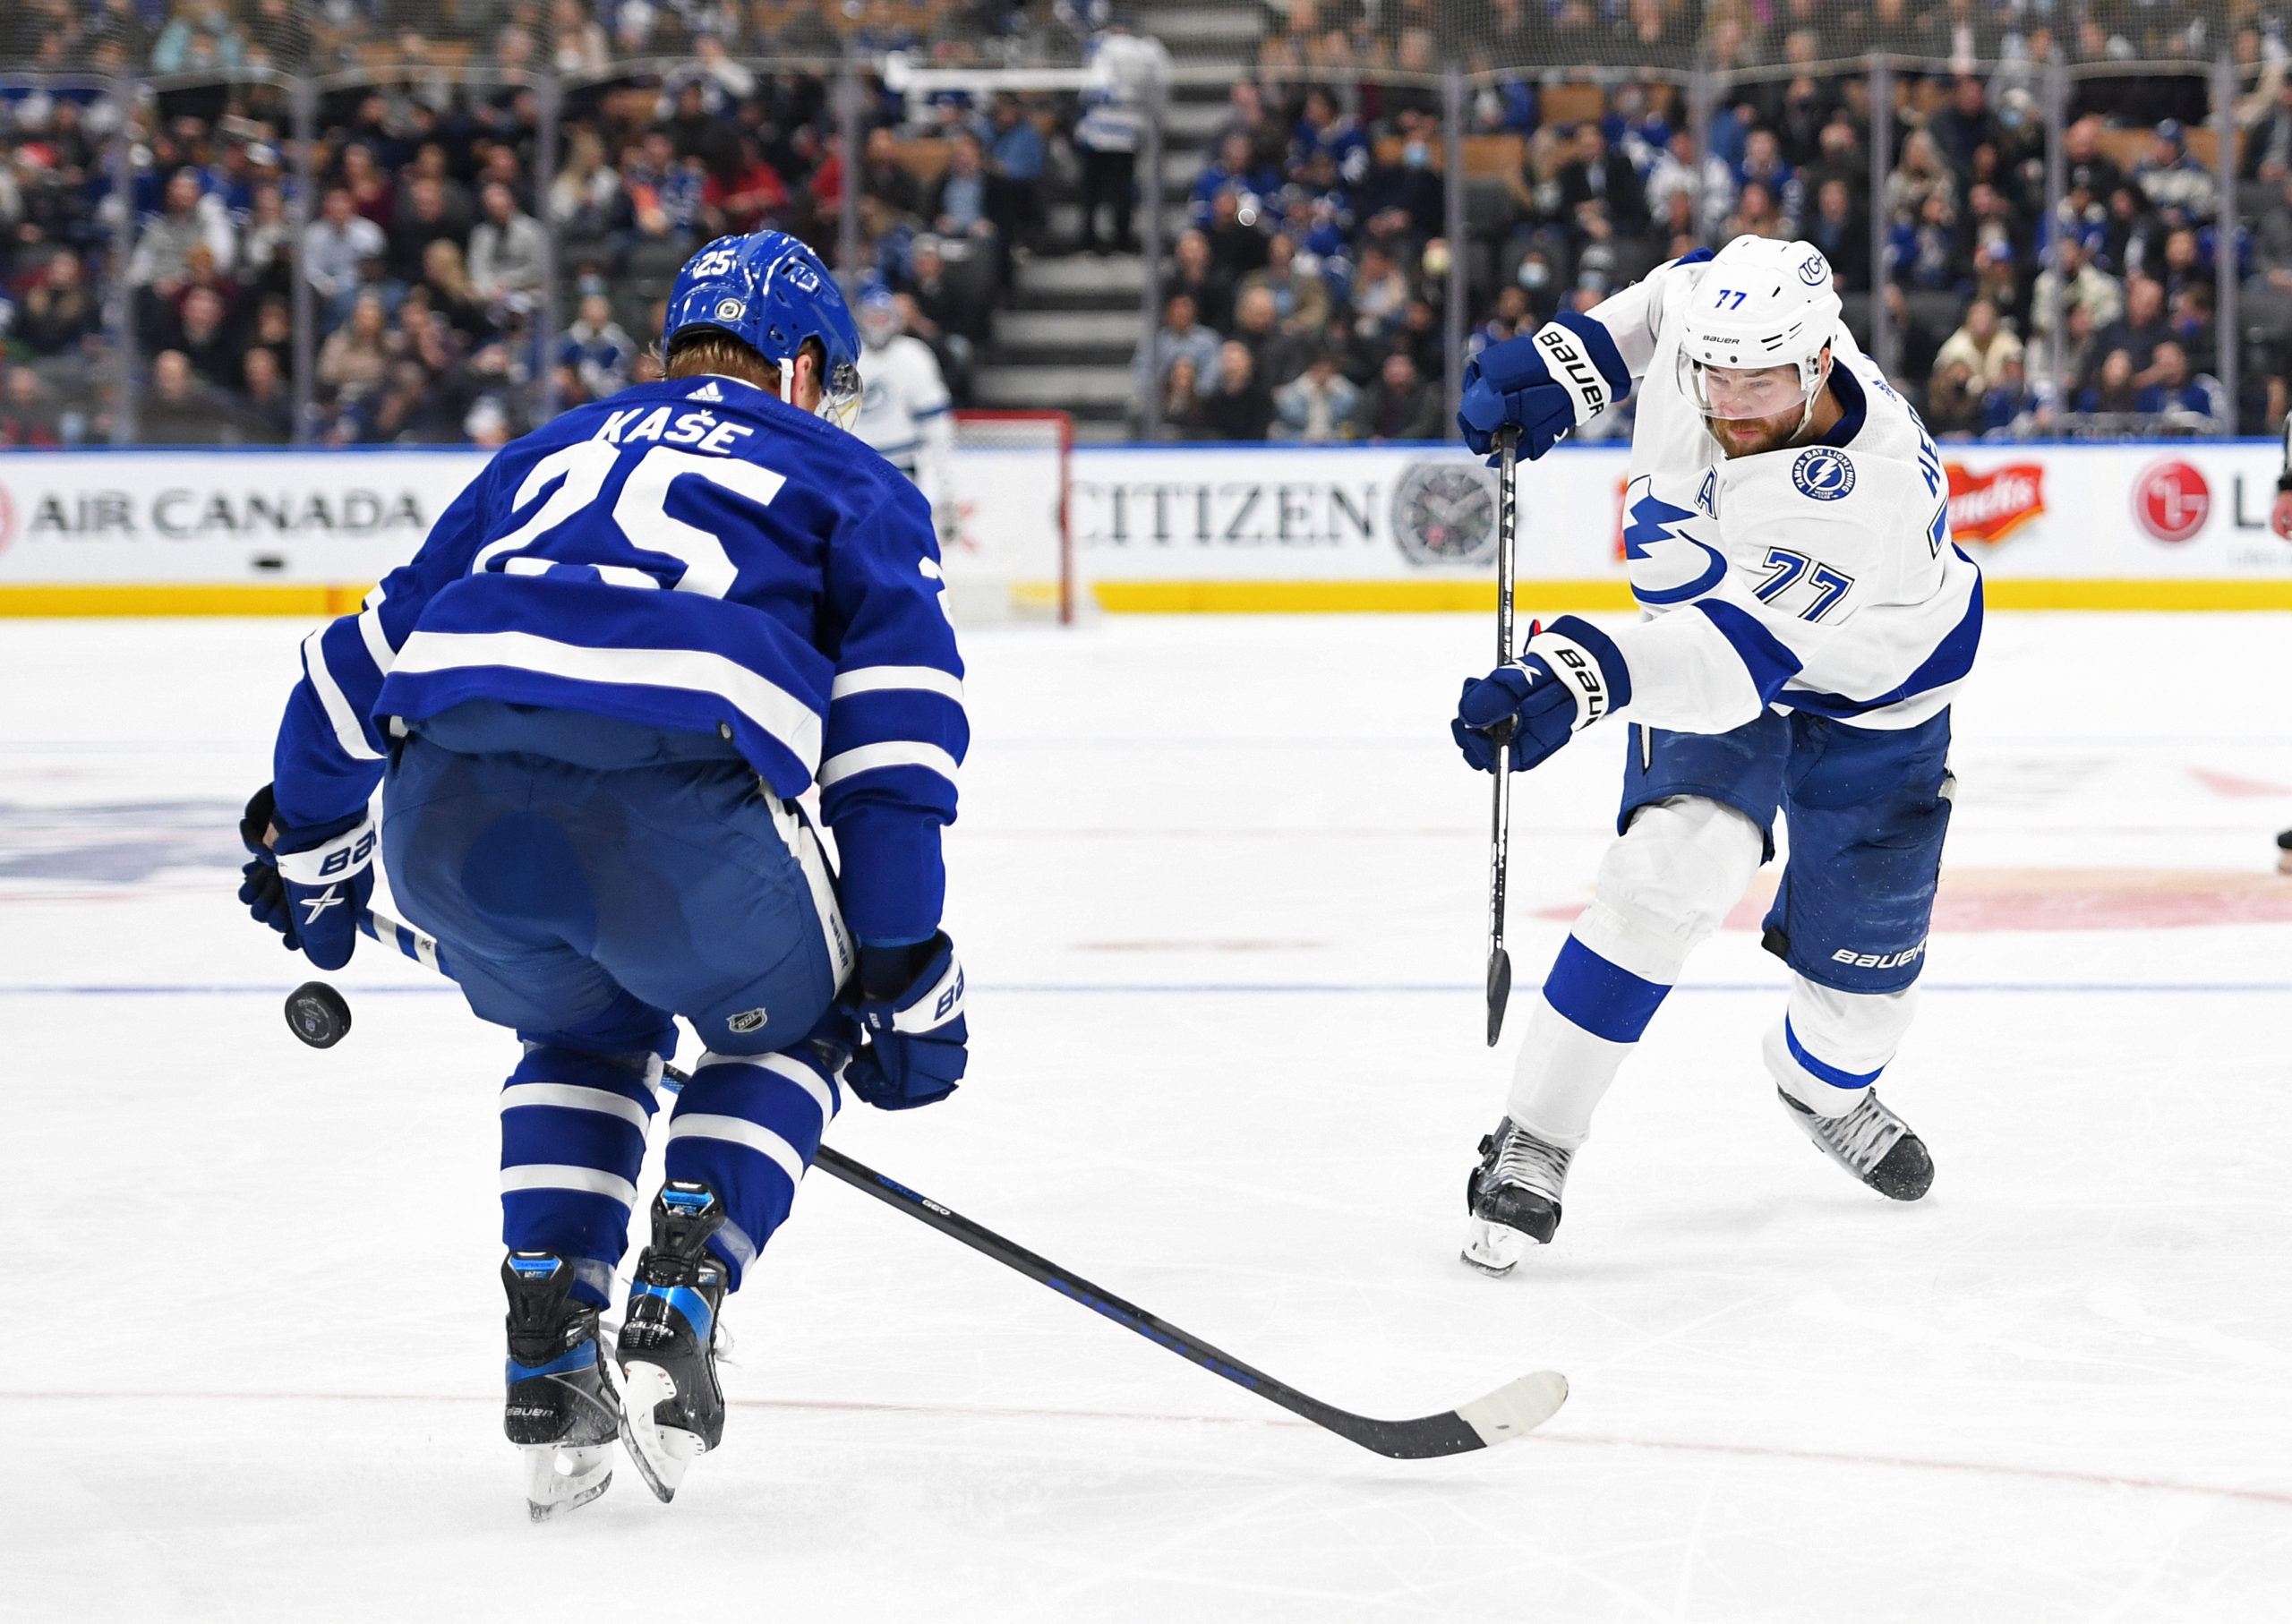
point(585, 205)
point(958, 203)
point(451, 294)
point(1380, 296)
point(1237, 246)
point(1763, 165)
point(1673, 181)
point(2058, 364)
point(178, 410)
point(1916, 345)
point(1182, 336)
point(2179, 188)
point(1929, 253)
point(1194, 274)
point(1274, 356)
point(2191, 321)
point(371, 193)
point(1407, 202)
point(2172, 390)
point(1594, 171)
point(422, 219)
point(1963, 126)
point(1300, 297)
point(26, 417)
point(2140, 330)
point(266, 405)
point(1182, 404)
point(56, 310)
point(1400, 404)
point(266, 244)
point(1920, 174)
point(1241, 407)
point(1842, 234)
point(505, 251)
point(211, 349)
point(1325, 129)
point(1953, 400)
point(1247, 116)
point(2113, 389)
point(597, 350)
point(1113, 124)
point(335, 247)
point(353, 357)
point(1755, 215)
point(1321, 404)
point(2089, 168)
point(744, 193)
point(1984, 344)
point(1017, 160)
point(188, 220)
point(2009, 408)
point(1235, 169)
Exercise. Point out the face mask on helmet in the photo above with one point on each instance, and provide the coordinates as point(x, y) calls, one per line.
point(1745, 394)
point(879, 321)
point(838, 400)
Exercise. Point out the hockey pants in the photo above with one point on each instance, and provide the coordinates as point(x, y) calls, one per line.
point(583, 908)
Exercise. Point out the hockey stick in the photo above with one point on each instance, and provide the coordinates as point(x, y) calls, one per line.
point(1499, 837)
point(1510, 1412)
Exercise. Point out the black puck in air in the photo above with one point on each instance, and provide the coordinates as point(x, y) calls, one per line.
point(318, 1015)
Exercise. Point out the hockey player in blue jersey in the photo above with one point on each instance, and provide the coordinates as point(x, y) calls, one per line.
point(590, 702)
point(1805, 622)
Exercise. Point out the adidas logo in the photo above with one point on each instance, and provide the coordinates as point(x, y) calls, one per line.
point(707, 392)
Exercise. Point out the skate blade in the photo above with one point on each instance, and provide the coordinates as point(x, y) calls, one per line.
point(660, 1454)
point(558, 1480)
point(1493, 1249)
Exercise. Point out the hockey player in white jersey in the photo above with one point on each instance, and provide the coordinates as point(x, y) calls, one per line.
point(905, 412)
point(1805, 622)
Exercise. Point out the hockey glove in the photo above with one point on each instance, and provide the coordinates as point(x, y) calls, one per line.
point(1568, 677)
point(310, 885)
point(1544, 385)
point(911, 1005)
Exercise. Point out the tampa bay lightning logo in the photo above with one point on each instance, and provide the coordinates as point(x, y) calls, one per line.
point(1823, 474)
point(1814, 271)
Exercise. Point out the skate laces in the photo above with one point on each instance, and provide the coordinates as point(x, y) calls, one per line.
point(1526, 1160)
point(1863, 1136)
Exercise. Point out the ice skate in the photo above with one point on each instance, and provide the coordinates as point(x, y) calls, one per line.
point(1513, 1197)
point(1872, 1143)
point(674, 1409)
point(562, 1410)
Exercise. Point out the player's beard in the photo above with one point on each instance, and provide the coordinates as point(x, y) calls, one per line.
point(1749, 436)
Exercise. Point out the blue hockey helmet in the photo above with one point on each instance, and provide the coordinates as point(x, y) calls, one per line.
point(772, 293)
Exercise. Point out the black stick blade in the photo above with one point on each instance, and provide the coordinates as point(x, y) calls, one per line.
point(318, 1015)
point(1500, 992)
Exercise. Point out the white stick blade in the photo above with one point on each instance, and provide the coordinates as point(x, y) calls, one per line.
point(1516, 1408)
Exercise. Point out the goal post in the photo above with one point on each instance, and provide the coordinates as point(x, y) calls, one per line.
point(1012, 557)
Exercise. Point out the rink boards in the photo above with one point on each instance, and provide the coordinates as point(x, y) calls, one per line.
point(2167, 525)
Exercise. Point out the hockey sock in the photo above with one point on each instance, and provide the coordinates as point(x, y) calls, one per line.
point(1830, 1046)
point(748, 1126)
point(1664, 888)
point(572, 1143)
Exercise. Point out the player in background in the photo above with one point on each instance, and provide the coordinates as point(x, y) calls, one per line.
point(590, 702)
point(905, 412)
point(1805, 620)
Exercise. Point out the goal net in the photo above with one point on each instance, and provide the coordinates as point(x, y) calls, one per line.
point(1013, 557)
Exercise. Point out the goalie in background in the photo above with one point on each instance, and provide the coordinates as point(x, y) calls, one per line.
point(905, 412)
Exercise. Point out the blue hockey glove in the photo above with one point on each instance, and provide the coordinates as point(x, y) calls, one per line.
point(310, 885)
point(1560, 378)
point(1569, 677)
point(911, 1005)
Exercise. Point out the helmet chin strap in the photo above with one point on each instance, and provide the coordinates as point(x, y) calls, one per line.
point(1806, 417)
point(788, 380)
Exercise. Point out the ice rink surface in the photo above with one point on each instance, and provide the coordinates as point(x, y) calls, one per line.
point(1218, 883)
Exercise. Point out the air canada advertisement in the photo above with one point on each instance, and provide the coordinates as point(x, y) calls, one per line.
point(338, 517)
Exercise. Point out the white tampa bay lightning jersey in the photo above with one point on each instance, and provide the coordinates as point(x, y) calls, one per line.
point(901, 396)
point(1820, 577)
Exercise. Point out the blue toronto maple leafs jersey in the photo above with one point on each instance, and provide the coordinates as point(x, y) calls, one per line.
point(696, 556)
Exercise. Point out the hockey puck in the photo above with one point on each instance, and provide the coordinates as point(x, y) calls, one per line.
point(318, 1015)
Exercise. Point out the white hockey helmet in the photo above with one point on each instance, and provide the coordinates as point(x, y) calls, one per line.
point(878, 315)
point(1761, 304)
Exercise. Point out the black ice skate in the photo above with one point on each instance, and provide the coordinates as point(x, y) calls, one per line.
point(1513, 1197)
point(673, 1411)
point(562, 1409)
point(1872, 1143)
